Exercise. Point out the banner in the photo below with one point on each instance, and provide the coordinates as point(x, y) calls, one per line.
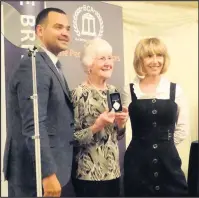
point(89, 19)
point(28, 11)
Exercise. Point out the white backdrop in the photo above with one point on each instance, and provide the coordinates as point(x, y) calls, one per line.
point(176, 23)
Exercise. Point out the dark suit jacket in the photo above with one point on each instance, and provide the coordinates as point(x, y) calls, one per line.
point(55, 124)
point(193, 170)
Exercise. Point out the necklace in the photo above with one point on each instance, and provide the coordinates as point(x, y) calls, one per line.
point(89, 82)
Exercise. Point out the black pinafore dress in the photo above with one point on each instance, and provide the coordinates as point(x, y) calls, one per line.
point(152, 166)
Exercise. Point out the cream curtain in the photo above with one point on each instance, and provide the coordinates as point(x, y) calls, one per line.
point(176, 23)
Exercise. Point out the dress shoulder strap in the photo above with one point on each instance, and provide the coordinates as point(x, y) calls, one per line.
point(172, 91)
point(133, 96)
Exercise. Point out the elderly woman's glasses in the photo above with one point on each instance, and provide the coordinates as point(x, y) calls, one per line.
point(103, 58)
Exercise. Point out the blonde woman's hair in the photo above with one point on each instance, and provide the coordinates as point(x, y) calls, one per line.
point(148, 47)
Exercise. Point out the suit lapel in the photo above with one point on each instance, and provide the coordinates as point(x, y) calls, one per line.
point(53, 68)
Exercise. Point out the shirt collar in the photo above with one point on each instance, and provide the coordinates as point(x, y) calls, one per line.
point(53, 58)
point(162, 86)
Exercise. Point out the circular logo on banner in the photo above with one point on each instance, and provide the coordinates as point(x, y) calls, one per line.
point(87, 22)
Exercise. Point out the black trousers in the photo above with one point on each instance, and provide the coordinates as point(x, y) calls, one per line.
point(28, 191)
point(86, 188)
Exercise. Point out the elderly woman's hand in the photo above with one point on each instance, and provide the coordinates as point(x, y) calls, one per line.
point(122, 117)
point(103, 120)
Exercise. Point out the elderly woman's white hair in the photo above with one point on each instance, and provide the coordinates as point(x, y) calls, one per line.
point(90, 50)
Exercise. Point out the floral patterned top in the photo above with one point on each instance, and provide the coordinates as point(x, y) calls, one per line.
point(97, 156)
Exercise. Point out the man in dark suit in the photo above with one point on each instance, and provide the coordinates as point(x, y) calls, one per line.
point(55, 115)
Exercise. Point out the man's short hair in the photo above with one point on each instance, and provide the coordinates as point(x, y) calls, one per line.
point(42, 16)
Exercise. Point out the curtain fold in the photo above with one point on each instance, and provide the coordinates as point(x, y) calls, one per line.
point(176, 23)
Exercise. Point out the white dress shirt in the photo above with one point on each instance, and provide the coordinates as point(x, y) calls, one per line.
point(52, 57)
point(163, 92)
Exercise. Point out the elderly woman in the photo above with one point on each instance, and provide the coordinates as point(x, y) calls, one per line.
point(97, 129)
point(158, 114)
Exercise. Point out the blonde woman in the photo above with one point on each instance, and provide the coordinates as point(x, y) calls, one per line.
point(158, 114)
point(96, 129)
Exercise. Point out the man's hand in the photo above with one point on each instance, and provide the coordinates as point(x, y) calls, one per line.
point(51, 186)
